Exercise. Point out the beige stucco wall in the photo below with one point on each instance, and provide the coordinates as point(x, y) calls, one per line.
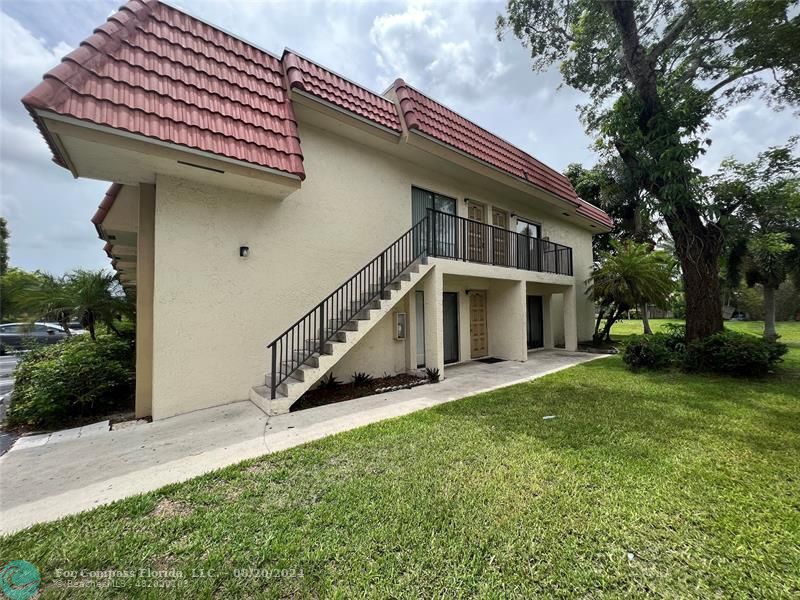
point(214, 312)
point(378, 352)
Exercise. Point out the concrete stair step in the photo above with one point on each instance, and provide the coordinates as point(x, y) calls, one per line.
point(314, 364)
point(345, 325)
point(285, 388)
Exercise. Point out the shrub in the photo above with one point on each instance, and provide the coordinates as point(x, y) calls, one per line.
point(656, 351)
point(433, 375)
point(733, 353)
point(329, 382)
point(675, 334)
point(360, 379)
point(74, 378)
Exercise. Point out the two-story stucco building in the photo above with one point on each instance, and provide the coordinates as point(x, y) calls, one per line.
point(278, 221)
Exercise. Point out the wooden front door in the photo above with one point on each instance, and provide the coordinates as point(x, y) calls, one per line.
point(501, 240)
point(476, 233)
point(478, 331)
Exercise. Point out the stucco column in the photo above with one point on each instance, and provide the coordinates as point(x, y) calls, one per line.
point(434, 322)
point(507, 320)
point(570, 320)
point(547, 321)
point(145, 267)
point(411, 330)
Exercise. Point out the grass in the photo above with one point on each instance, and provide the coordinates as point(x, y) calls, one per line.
point(788, 330)
point(664, 485)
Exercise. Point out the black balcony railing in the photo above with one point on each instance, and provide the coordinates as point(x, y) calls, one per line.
point(457, 238)
point(440, 235)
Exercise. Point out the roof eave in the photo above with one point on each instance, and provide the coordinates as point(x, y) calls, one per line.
point(572, 204)
point(347, 113)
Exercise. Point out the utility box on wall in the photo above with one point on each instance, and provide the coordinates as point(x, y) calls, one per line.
point(400, 326)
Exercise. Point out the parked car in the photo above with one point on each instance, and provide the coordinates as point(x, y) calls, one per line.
point(20, 335)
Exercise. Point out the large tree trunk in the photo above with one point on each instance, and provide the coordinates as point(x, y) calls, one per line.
point(769, 313)
point(645, 319)
point(698, 247)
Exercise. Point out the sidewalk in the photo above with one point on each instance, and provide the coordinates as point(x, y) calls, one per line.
point(49, 481)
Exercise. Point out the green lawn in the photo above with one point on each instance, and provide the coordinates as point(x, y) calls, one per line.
point(664, 485)
point(788, 330)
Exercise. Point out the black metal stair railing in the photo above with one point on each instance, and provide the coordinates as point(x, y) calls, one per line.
point(458, 238)
point(321, 324)
point(440, 235)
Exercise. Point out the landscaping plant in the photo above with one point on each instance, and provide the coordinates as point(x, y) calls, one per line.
point(360, 378)
point(78, 377)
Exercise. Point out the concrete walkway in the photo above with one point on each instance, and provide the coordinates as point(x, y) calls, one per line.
point(46, 482)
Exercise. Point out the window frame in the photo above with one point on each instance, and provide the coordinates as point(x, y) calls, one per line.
point(538, 226)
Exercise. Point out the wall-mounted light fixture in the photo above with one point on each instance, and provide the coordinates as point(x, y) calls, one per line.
point(565, 214)
point(244, 251)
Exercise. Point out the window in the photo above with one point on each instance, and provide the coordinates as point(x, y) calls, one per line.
point(530, 229)
point(421, 201)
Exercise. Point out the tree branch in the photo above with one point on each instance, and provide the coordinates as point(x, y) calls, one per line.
point(728, 80)
point(672, 33)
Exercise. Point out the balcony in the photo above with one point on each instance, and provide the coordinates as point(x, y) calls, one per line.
point(457, 238)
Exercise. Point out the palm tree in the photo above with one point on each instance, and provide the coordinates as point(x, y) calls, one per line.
point(629, 275)
point(96, 297)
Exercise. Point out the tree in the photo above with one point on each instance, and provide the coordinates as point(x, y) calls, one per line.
point(610, 185)
point(656, 72)
point(629, 275)
point(92, 297)
point(15, 292)
point(763, 242)
point(96, 297)
point(4, 235)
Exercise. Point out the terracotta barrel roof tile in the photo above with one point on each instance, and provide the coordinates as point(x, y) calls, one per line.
point(155, 71)
point(313, 79)
point(427, 116)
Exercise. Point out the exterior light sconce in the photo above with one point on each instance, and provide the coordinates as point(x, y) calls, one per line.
point(244, 251)
point(565, 214)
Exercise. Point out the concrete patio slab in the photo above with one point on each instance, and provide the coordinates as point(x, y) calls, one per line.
point(49, 481)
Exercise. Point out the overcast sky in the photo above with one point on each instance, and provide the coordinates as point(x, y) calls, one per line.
point(447, 49)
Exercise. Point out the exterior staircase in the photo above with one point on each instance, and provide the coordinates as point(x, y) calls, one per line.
point(302, 354)
point(304, 376)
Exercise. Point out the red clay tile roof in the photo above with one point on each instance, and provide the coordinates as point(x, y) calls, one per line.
point(302, 74)
point(427, 116)
point(105, 205)
point(158, 72)
point(155, 71)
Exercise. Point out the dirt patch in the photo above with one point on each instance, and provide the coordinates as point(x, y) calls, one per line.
point(171, 508)
point(321, 396)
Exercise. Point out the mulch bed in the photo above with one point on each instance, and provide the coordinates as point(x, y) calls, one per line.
point(348, 391)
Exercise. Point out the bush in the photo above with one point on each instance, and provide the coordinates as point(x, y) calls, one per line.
point(654, 351)
point(734, 354)
point(360, 379)
point(74, 378)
